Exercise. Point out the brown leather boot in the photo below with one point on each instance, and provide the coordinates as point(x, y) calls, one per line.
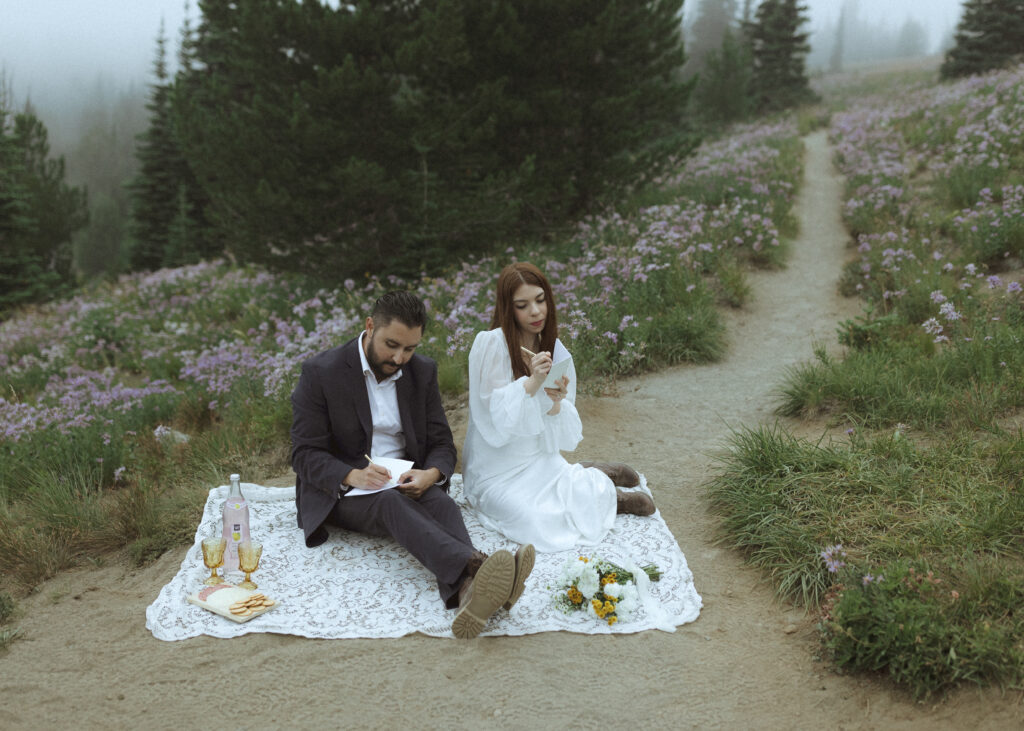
point(525, 558)
point(483, 594)
point(622, 474)
point(633, 503)
point(474, 563)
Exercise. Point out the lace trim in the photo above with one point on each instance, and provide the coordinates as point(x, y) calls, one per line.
point(361, 586)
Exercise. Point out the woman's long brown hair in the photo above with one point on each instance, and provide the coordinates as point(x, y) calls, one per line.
point(512, 278)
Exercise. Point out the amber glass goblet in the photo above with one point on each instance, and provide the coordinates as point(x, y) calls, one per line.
point(249, 560)
point(213, 556)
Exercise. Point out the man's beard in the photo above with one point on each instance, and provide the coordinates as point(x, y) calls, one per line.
point(377, 366)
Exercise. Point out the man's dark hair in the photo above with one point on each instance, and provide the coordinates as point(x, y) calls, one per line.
point(405, 307)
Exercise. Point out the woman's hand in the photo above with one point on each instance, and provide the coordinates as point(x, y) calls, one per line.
point(539, 365)
point(557, 394)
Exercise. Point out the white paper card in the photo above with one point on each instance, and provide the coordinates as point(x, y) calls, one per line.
point(395, 466)
point(561, 359)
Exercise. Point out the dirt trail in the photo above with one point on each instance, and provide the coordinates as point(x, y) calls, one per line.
point(748, 662)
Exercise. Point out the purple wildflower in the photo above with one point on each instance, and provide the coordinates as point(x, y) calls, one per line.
point(833, 557)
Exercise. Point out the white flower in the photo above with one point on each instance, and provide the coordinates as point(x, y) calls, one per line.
point(589, 583)
point(572, 570)
point(613, 589)
point(628, 602)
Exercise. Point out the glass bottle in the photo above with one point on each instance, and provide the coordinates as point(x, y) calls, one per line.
point(236, 523)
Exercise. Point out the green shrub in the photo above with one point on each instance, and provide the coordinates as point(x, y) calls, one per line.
point(908, 622)
point(922, 575)
point(6, 607)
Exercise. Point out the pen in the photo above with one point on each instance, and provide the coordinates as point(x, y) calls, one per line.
point(528, 351)
point(370, 461)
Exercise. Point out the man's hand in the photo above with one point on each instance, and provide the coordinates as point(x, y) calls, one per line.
point(371, 477)
point(414, 483)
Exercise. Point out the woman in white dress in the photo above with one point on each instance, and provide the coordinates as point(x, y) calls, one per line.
point(514, 475)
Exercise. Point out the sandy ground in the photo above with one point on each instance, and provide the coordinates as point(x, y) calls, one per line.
point(749, 662)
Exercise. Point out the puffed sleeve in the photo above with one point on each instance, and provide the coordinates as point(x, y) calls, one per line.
point(500, 406)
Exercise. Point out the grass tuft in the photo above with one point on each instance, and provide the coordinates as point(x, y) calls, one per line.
point(898, 510)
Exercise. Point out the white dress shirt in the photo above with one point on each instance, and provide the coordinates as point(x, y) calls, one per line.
point(388, 438)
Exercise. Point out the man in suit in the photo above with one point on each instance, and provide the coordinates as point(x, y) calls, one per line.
point(375, 395)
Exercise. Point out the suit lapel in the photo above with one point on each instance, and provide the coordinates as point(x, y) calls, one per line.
point(357, 384)
point(403, 390)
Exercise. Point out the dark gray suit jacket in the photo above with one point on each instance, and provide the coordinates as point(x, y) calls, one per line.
point(332, 428)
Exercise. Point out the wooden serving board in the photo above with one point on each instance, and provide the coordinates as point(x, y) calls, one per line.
point(219, 599)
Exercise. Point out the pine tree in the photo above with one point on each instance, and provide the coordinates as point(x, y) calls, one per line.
point(990, 35)
point(572, 93)
point(835, 63)
point(98, 249)
point(154, 190)
point(39, 213)
point(912, 39)
point(747, 16)
point(403, 135)
point(714, 19)
point(779, 51)
point(190, 231)
point(16, 280)
point(723, 93)
point(168, 221)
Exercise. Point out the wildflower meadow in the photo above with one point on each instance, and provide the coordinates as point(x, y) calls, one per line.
point(121, 406)
point(903, 529)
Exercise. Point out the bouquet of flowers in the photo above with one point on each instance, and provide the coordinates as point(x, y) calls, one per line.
point(601, 588)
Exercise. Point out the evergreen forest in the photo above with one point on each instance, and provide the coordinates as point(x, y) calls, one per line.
point(337, 142)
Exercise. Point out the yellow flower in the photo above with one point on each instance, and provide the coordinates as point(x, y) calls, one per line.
point(612, 619)
point(575, 596)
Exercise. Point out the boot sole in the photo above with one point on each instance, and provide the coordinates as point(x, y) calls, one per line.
point(492, 585)
point(525, 558)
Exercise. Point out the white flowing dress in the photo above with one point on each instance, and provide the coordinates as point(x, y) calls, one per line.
point(514, 475)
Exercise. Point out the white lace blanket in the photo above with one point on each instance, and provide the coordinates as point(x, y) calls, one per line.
point(359, 586)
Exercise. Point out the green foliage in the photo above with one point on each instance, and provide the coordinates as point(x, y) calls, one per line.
point(98, 249)
point(724, 92)
point(779, 51)
point(168, 226)
point(713, 22)
point(474, 139)
point(453, 374)
point(911, 382)
point(927, 580)
point(990, 35)
point(6, 607)
point(39, 213)
point(939, 342)
point(86, 377)
point(909, 623)
point(732, 282)
point(102, 160)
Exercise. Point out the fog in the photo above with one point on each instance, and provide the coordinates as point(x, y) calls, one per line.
point(51, 48)
point(61, 53)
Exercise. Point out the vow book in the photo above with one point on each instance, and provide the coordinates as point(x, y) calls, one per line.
point(395, 466)
point(560, 361)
